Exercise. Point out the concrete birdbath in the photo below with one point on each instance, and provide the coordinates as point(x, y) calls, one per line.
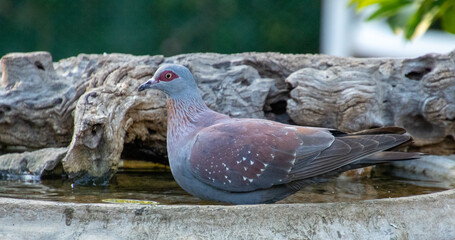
point(428, 216)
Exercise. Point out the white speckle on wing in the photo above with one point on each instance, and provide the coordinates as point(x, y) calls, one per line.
point(245, 168)
point(249, 179)
point(225, 176)
point(229, 181)
point(227, 169)
point(266, 164)
point(224, 164)
point(244, 178)
point(238, 162)
point(249, 152)
point(272, 155)
point(257, 154)
point(243, 158)
point(251, 162)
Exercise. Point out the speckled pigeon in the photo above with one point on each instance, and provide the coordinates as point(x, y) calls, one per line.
point(247, 161)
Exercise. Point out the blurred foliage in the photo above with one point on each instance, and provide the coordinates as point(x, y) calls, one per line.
point(68, 27)
point(412, 17)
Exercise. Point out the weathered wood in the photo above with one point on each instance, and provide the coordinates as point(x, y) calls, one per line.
point(39, 100)
point(351, 94)
point(112, 113)
point(35, 103)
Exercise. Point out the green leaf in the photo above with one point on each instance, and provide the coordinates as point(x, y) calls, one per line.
point(422, 19)
point(364, 3)
point(448, 19)
point(413, 17)
point(389, 9)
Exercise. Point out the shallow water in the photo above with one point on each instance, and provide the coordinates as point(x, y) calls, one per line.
point(159, 186)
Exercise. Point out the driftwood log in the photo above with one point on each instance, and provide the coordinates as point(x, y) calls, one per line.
point(90, 103)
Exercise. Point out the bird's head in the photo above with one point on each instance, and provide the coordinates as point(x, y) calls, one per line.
point(173, 79)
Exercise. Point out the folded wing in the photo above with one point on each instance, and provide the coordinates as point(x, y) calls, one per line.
point(243, 155)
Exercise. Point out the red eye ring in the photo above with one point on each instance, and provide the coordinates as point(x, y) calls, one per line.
point(167, 76)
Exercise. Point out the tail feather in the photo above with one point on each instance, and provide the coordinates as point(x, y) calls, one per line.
point(382, 157)
point(353, 151)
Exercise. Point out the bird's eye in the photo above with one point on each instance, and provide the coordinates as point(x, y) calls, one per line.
point(168, 75)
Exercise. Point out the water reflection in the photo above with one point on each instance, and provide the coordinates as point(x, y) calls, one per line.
point(159, 186)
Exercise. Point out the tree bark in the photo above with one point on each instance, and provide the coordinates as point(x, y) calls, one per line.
point(91, 102)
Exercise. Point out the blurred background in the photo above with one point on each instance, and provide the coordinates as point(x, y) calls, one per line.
point(169, 27)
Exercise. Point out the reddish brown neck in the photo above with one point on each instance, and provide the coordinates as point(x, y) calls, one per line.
point(183, 116)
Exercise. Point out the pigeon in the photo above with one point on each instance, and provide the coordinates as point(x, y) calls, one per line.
point(253, 161)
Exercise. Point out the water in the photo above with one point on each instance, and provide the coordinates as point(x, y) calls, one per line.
point(159, 186)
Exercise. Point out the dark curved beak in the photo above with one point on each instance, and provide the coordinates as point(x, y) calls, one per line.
point(149, 84)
